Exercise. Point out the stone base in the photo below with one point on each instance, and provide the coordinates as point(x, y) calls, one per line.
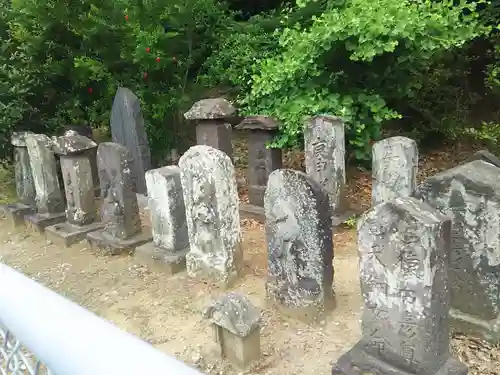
point(302, 309)
point(197, 267)
point(38, 222)
point(159, 259)
point(66, 234)
point(357, 362)
point(103, 244)
point(251, 211)
point(470, 325)
point(15, 213)
point(338, 219)
point(241, 351)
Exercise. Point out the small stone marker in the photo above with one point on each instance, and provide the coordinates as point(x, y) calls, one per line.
point(119, 210)
point(49, 199)
point(470, 195)
point(212, 127)
point(170, 243)
point(403, 259)
point(324, 138)
point(300, 248)
point(261, 162)
point(487, 157)
point(213, 219)
point(127, 129)
point(81, 210)
point(236, 327)
point(25, 186)
point(395, 167)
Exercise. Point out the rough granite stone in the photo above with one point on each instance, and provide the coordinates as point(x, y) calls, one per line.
point(25, 186)
point(212, 213)
point(168, 220)
point(300, 250)
point(127, 129)
point(209, 109)
point(236, 326)
point(487, 157)
point(261, 160)
point(470, 195)
point(119, 209)
point(403, 259)
point(394, 170)
point(324, 138)
point(81, 210)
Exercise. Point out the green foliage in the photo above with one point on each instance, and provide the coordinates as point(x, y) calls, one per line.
point(355, 58)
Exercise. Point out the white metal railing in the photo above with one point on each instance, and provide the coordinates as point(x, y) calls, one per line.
point(67, 338)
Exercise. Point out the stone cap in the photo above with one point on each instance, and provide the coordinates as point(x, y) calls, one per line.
point(258, 123)
point(18, 139)
point(235, 313)
point(326, 117)
point(72, 143)
point(210, 109)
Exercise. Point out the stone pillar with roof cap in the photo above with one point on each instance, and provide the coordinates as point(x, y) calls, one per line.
point(261, 162)
point(25, 186)
point(212, 125)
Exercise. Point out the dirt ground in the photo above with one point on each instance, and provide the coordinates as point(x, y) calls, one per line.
point(167, 311)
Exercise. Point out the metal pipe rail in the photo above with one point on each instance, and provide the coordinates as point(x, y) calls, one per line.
point(66, 338)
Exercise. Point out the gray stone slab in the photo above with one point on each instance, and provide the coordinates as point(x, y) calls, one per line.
point(102, 243)
point(160, 260)
point(127, 129)
point(25, 185)
point(38, 222)
point(404, 246)
point(470, 195)
point(486, 156)
point(15, 213)
point(394, 169)
point(251, 211)
point(300, 247)
point(67, 234)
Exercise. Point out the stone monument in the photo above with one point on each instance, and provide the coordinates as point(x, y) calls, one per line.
point(403, 261)
point(212, 213)
point(49, 199)
point(122, 230)
point(170, 244)
point(261, 162)
point(81, 211)
point(300, 248)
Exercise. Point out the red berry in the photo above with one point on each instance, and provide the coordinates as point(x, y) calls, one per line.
point(157, 59)
point(148, 49)
point(90, 89)
point(145, 75)
point(126, 17)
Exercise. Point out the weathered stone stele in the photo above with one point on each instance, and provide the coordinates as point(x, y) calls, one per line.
point(81, 210)
point(324, 138)
point(470, 195)
point(236, 328)
point(170, 243)
point(213, 128)
point(49, 199)
point(261, 162)
point(300, 249)
point(119, 210)
point(25, 186)
point(127, 129)
point(213, 219)
point(395, 167)
point(403, 260)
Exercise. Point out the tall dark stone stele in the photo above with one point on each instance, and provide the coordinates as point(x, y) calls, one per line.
point(261, 162)
point(76, 153)
point(25, 186)
point(212, 126)
point(300, 248)
point(50, 200)
point(127, 129)
point(470, 195)
point(122, 230)
point(403, 260)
